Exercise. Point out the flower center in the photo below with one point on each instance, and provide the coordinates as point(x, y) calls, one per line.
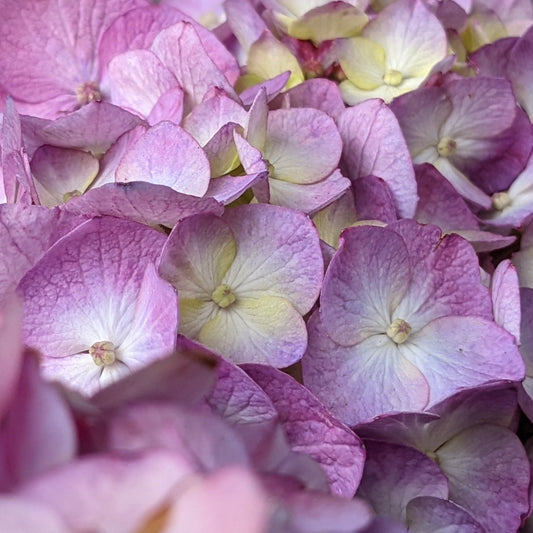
point(501, 200)
point(88, 92)
point(399, 331)
point(446, 147)
point(103, 353)
point(223, 296)
point(393, 77)
point(72, 194)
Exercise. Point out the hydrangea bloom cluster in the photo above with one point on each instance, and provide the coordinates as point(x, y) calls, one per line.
point(266, 266)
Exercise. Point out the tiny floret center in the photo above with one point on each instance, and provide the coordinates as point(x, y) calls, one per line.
point(446, 147)
point(72, 194)
point(501, 200)
point(399, 331)
point(88, 92)
point(393, 77)
point(223, 296)
point(103, 353)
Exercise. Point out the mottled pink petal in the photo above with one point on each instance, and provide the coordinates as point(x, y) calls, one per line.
point(311, 429)
point(169, 106)
point(137, 29)
point(166, 155)
point(142, 202)
point(137, 80)
point(394, 475)
point(272, 87)
point(43, 66)
point(363, 129)
point(26, 233)
point(193, 67)
point(244, 21)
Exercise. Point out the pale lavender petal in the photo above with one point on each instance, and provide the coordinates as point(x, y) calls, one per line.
point(283, 242)
point(363, 129)
point(272, 87)
point(60, 171)
point(394, 475)
point(221, 152)
point(489, 476)
point(476, 352)
point(212, 114)
point(505, 293)
point(308, 197)
point(167, 155)
point(94, 127)
point(360, 382)
point(352, 283)
point(311, 429)
point(228, 188)
point(137, 80)
point(303, 145)
point(427, 513)
point(485, 241)
point(169, 106)
point(244, 21)
point(142, 202)
point(197, 255)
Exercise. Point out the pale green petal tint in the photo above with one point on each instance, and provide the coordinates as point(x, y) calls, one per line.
point(324, 23)
point(363, 62)
point(194, 314)
point(268, 58)
point(264, 330)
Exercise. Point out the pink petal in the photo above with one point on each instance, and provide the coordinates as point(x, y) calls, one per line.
point(363, 129)
point(505, 294)
point(166, 155)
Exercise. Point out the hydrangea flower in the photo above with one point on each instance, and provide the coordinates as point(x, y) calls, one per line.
point(94, 306)
point(390, 295)
point(236, 282)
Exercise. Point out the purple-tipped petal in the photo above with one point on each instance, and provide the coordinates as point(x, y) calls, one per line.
point(311, 429)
